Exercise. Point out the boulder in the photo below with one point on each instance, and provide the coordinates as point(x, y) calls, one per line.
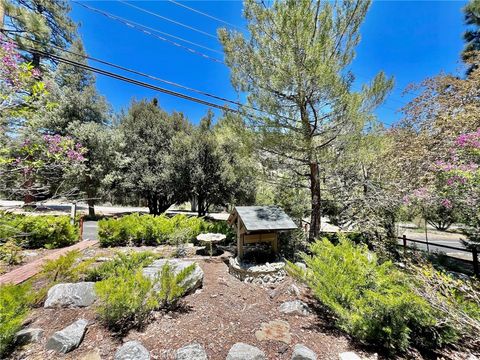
point(301, 265)
point(191, 352)
point(301, 352)
point(71, 295)
point(28, 335)
point(349, 356)
point(132, 350)
point(195, 279)
point(295, 307)
point(69, 338)
point(241, 351)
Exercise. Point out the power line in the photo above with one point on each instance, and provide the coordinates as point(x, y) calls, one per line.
point(148, 31)
point(205, 14)
point(104, 62)
point(168, 19)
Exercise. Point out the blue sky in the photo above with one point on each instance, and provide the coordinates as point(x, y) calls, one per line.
point(410, 40)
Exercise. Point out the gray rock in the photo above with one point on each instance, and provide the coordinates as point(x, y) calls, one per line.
point(191, 352)
point(28, 335)
point(71, 295)
point(241, 351)
point(301, 352)
point(293, 290)
point(348, 356)
point(132, 350)
point(195, 279)
point(69, 338)
point(295, 307)
point(301, 265)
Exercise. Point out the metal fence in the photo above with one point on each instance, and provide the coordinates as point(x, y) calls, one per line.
point(473, 251)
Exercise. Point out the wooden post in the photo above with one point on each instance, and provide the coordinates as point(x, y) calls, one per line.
point(475, 261)
point(239, 240)
point(81, 228)
point(73, 212)
point(404, 238)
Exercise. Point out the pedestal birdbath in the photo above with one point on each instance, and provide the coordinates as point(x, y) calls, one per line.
point(210, 239)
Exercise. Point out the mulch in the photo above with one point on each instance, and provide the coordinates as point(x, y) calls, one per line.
point(225, 311)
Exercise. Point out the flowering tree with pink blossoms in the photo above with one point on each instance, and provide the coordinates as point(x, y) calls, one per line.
point(461, 171)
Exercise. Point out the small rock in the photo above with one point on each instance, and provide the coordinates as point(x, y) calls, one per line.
point(69, 338)
point(301, 352)
point(102, 259)
point(277, 330)
point(296, 307)
point(348, 356)
point(191, 352)
point(293, 290)
point(241, 351)
point(93, 355)
point(28, 335)
point(301, 265)
point(71, 295)
point(132, 350)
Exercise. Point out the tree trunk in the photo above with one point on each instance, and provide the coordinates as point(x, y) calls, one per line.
point(91, 208)
point(315, 204)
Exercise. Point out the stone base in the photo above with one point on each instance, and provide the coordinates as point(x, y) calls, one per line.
point(258, 274)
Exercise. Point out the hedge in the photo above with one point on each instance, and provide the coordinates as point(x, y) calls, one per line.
point(37, 231)
point(140, 230)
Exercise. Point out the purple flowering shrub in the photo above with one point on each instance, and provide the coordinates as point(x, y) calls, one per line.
point(19, 81)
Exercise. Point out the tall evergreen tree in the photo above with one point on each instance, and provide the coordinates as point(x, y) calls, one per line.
point(294, 66)
point(472, 35)
point(41, 24)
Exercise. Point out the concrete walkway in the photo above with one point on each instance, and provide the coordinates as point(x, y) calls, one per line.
point(26, 271)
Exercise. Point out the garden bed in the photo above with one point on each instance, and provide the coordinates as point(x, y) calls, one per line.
point(223, 312)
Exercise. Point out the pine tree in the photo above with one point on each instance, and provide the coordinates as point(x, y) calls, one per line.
point(472, 35)
point(294, 66)
point(40, 24)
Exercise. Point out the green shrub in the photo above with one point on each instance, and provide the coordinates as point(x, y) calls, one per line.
point(62, 268)
point(170, 287)
point(33, 232)
point(10, 253)
point(139, 230)
point(125, 301)
point(14, 306)
point(122, 262)
point(373, 302)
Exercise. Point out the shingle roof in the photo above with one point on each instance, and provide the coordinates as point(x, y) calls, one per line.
point(256, 218)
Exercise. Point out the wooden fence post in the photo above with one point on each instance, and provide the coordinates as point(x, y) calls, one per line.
point(404, 238)
point(475, 261)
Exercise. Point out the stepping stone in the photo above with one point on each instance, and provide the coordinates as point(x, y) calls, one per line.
point(349, 356)
point(277, 330)
point(80, 294)
point(296, 307)
point(242, 351)
point(194, 281)
point(69, 338)
point(191, 352)
point(28, 335)
point(132, 350)
point(301, 352)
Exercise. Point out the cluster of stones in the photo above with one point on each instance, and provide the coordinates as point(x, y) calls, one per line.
point(82, 294)
point(264, 274)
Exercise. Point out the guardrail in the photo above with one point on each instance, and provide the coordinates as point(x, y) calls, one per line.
point(473, 251)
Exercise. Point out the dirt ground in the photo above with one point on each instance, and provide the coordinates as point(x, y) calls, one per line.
point(225, 311)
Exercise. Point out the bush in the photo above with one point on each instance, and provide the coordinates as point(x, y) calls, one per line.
point(14, 306)
point(120, 264)
point(373, 302)
point(170, 287)
point(63, 268)
point(10, 253)
point(139, 230)
point(127, 299)
point(33, 232)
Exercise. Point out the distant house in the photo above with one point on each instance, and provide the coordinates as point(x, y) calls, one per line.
point(254, 224)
